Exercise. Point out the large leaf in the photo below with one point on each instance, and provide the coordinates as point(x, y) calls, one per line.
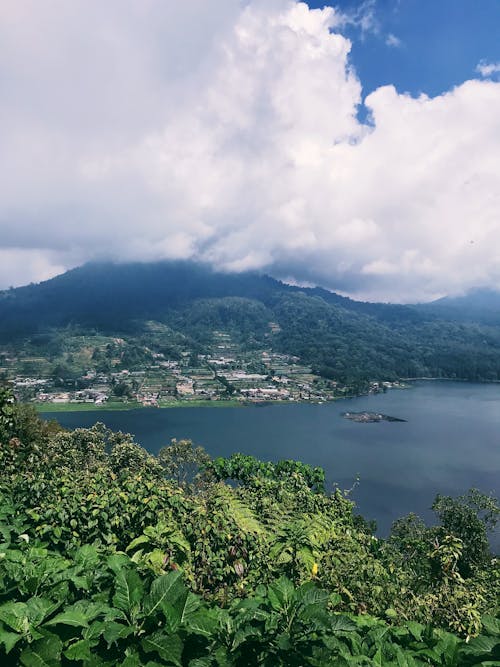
point(142, 539)
point(415, 629)
point(118, 562)
point(132, 659)
point(72, 617)
point(87, 556)
point(80, 650)
point(168, 647)
point(482, 646)
point(491, 625)
point(128, 591)
point(38, 609)
point(281, 593)
point(9, 639)
point(114, 631)
point(15, 616)
point(341, 623)
point(310, 594)
point(167, 589)
point(191, 604)
point(45, 652)
point(202, 622)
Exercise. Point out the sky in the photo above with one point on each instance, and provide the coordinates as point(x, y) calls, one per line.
point(355, 146)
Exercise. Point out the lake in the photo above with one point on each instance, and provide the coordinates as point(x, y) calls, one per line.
point(449, 443)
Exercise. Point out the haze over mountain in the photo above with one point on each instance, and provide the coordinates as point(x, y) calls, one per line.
point(477, 305)
point(341, 338)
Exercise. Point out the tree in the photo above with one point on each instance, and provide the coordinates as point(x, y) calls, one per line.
point(7, 412)
point(183, 462)
point(469, 517)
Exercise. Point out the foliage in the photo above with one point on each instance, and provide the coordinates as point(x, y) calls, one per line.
point(110, 557)
point(6, 412)
point(89, 608)
point(243, 468)
point(469, 518)
point(183, 462)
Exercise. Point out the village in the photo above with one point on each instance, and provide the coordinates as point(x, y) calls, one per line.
point(224, 372)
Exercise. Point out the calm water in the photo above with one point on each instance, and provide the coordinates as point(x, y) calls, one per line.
point(450, 442)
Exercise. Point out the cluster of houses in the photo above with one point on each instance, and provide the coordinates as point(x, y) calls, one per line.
point(225, 370)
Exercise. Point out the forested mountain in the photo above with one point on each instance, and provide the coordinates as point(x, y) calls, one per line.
point(341, 338)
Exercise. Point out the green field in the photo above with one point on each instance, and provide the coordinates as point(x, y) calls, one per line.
point(132, 405)
point(85, 407)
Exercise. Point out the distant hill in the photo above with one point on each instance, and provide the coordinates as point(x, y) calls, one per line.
point(341, 338)
point(479, 305)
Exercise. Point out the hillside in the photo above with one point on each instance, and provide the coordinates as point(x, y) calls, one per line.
point(341, 339)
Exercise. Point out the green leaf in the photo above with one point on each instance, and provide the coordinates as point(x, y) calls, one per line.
point(415, 629)
point(172, 617)
point(168, 647)
point(118, 562)
point(128, 591)
point(87, 556)
point(481, 645)
point(9, 639)
point(283, 641)
point(309, 594)
point(80, 650)
point(341, 623)
point(72, 617)
point(378, 659)
point(132, 660)
point(191, 604)
point(45, 652)
point(15, 615)
point(38, 609)
point(168, 588)
point(142, 539)
point(202, 622)
point(281, 593)
point(491, 625)
point(114, 631)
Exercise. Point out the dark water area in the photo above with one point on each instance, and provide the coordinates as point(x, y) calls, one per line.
point(449, 442)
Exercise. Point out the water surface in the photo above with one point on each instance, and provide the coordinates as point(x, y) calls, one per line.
point(449, 443)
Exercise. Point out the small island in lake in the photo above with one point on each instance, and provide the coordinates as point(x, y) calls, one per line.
point(368, 417)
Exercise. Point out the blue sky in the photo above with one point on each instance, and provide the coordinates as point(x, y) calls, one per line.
point(441, 42)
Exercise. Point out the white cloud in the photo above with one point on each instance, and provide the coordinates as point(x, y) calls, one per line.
point(24, 265)
point(487, 69)
point(227, 131)
point(392, 40)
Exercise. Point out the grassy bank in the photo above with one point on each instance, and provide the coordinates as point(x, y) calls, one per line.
point(85, 407)
point(132, 405)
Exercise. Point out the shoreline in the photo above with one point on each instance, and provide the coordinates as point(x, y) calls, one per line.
point(124, 407)
point(56, 408)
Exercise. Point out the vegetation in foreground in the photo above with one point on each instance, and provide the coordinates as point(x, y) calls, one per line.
point(110, 556)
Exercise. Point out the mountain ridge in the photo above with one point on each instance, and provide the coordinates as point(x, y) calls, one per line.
point(339, 337)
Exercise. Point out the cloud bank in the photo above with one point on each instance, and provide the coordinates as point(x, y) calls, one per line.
point(228, 132)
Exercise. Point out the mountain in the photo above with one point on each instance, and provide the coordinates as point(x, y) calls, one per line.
point(109, 295)
point(340, 338)
point(479, 305)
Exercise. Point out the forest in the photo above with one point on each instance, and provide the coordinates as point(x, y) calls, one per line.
point(349, 341)
point(112, 556)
